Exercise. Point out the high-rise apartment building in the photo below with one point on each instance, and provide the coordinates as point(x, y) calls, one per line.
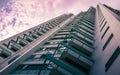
point(84, 44)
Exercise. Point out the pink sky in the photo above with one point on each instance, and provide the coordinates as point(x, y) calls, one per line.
point(18, 15)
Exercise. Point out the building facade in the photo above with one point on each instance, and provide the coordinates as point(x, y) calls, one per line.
point(83, 44)
point(106, 55)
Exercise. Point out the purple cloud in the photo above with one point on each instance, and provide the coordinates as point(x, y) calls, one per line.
point(3, 2)
point(25, 14)
point(13, 21)
point(7, 9)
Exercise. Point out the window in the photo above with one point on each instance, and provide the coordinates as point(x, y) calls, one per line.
point(101, 19)
point(105, 32)
point(112, 59)
point(3, 56)
point(28, 69)
point(76, 64)
point(103, 26)
point(47, 43)
point(107, 42)
point(102, 22)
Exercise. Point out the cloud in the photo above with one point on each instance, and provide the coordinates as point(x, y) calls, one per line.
point(18, 15)
point(3, 2)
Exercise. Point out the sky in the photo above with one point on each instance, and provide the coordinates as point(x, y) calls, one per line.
point(19, 15)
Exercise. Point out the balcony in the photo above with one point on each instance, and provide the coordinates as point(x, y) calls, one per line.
point(12, 45)
point(4, 53)
point(61, 67)
point(81, 47)
point(22, 41)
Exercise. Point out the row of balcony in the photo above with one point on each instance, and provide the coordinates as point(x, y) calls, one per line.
point(77, 48)
point(68, 52)
point(14, 45)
